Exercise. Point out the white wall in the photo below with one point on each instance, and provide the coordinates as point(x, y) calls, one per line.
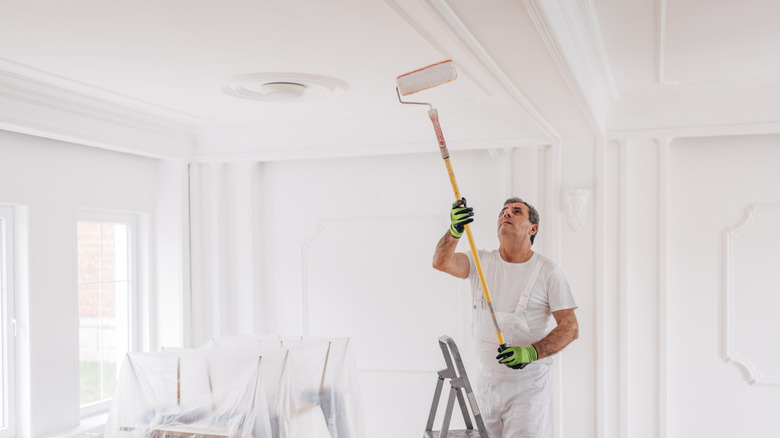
point(712, 183)
point(343, 247)
point(667, 328)
point(52, 180)
point(353, 241)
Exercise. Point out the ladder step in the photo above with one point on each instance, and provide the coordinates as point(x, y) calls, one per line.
point(460, 391)
point(467, 433)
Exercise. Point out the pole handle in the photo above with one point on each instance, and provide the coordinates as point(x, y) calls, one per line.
point(445, 154)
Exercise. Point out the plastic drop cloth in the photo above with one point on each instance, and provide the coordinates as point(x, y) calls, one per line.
point(240, 386)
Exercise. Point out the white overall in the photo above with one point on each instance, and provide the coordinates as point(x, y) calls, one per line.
point(515, 403)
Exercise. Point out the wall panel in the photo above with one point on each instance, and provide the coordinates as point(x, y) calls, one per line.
point(351, 242)
point(712, 182)
point(640, 294)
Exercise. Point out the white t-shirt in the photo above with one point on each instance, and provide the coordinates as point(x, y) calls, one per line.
point(505, 281)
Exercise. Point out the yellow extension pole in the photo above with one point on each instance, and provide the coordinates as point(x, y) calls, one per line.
point(445, 154)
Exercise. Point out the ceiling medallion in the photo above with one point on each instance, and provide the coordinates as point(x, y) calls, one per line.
point(283, 87)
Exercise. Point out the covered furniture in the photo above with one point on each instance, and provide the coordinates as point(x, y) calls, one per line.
point(240, 386)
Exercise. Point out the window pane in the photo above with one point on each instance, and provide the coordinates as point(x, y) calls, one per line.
point(89, 252)
point(90, 342)
point(115, 334)
point(121, 253)
point(4, 399)
point(104, 310)
point(114, 252)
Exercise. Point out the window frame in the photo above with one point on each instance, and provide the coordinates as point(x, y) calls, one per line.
point(8, 320)
point(133, 221)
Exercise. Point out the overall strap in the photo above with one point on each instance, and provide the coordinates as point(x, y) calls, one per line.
point(521, 305)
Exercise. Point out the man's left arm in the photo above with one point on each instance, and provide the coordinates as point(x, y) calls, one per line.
point(561, 336)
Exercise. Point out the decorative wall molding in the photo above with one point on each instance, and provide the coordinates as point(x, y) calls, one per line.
point(730, 355)
point(660, 42)
point(663, 284)
point(576, 201)
point(615, 161)
point(622, 289)
point(602, 311)
point(753, 375)
point(551, 163)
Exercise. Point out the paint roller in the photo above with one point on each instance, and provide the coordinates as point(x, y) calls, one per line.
point(423, 79)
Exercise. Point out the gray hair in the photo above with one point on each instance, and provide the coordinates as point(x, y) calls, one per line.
point(533, 215)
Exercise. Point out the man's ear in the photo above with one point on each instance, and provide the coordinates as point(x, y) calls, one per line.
point(534, 228)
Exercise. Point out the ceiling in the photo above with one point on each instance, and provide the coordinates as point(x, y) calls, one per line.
point(150, 77)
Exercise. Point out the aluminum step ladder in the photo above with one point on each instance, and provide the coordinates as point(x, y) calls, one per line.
point(459, 382)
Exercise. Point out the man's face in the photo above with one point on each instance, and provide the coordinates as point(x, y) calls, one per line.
point(513, 220)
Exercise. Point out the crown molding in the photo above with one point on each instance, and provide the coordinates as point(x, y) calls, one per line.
point(570, 30)
point(37, 103)
point(381, 132)
point(477, 53)
point(245, 147)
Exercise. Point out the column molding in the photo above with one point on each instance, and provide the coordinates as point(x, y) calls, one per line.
point(663, 248)
point(622, 289)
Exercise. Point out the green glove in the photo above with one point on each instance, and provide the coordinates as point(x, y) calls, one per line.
point(517, 357)
point(460, 215)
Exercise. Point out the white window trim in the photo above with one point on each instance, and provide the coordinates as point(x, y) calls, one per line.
point(136, 290)
point(8, 342)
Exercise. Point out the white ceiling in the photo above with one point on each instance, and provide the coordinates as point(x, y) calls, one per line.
point(530, 72)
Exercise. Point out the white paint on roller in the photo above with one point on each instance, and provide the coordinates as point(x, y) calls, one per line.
point(426, 77)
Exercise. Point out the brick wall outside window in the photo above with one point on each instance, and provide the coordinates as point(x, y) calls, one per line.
point(89, 269)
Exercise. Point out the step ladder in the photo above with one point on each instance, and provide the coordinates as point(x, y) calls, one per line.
point(459, 382)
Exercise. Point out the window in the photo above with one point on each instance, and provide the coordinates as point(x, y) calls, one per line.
point(7, 324)
point(107, 301)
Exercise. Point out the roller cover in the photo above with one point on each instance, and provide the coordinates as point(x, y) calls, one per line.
point(426, 77)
